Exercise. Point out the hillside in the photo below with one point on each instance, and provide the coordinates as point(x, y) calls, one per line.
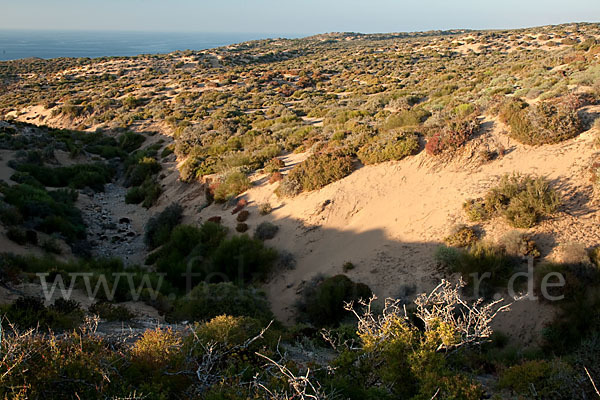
point(396, 160)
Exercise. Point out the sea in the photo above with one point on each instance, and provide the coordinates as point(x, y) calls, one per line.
point(52, 44)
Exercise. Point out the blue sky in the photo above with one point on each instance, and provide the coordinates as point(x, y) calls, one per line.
point(291, 17)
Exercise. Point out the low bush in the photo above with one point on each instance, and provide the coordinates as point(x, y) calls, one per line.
point(479, 259)
point(209, 300)
point(142, 170)
point(111, 312)
point(521, 199)
point(17, 235)
point(315, 172)
point(452, 135)
point(30, 312)
point(49, 212)
point(242, 259)
point(519, 244)
point(147, 194)
point(131, 141)
point(389, 148)
point(461, 236)
point(76, 176)
point(266, 231)
point(324, 301)
point(243, 216)
point(159, 227)
point(546, 122)
point(551, 379)
point(265, 208)
point(274, 165)
point(233, 184)
point(241, 227)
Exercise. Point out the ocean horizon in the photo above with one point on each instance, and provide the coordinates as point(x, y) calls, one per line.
point(16, 45)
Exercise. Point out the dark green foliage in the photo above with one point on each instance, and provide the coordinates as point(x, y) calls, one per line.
point(159, 227)
point(111, 312)
point(479, 259)
point(130, 141)
point(49, 212)
point(208, 300)
point(30, 312)
point(579, 315)
point(242, 259)
point(324, 303)
point(140, 171)
point(17, 235)
point(75, 176)
point(147, 194)
point(188, 249)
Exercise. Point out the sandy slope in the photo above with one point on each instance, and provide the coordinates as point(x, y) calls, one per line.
point(387, 219)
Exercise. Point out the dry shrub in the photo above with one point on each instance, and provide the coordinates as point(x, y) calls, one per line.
point(572, 253)
point(265, 208)
point(519, 244)
point(461, 236)
point(156, 348)
point(241, 227)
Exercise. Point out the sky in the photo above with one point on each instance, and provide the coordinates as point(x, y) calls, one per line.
point(290, 17)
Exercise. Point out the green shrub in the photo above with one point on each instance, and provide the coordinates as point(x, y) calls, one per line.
point(242, 259)
point(159, 227)
point(324, 302)
point(30, 312)
point(76, 176)
point(473, 262)
point(49, 212)
point(17, 235)
point(546, 122)
point(551, 379)
point(315, 172)
point(521, 199)
point(142, 170)
point(189, 249)
point(412, 117)
point(130, 141)
point(147, 194)
point(233, 184)
point(111, 312)
point(389, 148)
point(209, 300)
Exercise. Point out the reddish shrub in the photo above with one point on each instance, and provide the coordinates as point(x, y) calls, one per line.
point(240, 205)
point(452, 136)
point(215, 219)
point(275, 177)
